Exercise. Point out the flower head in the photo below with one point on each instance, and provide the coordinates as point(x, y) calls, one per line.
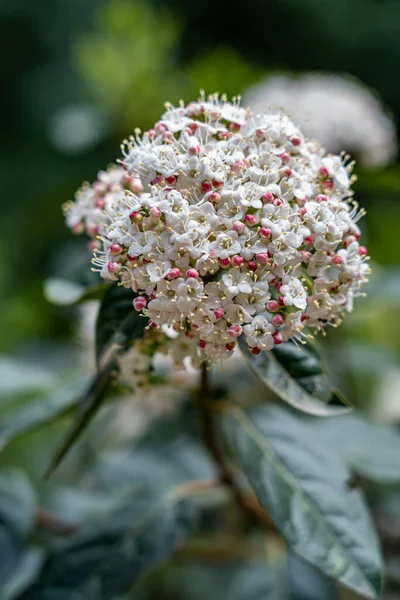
point(241, 227)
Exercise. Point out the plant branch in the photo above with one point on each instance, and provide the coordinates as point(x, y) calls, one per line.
point(246, 502)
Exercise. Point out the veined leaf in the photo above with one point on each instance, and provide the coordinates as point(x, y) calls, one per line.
point(111, 558)
point(296, 376)
point(118, 322)
point(371, 449)
point(302, 486)
point(40, 411)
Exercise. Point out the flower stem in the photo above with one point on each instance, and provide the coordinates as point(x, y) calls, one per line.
point(245, 501)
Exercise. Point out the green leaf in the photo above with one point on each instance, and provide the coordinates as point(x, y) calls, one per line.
point(372, 450)
point(90, 402)
point(111, 558)
point(303, 487)
point(296, 375)
point(62, 292)
point(118, 322)
point(17, 509)
point(39, 411)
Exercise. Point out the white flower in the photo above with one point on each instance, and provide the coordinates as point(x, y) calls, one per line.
point(259, 333)
point(231, 214)
point(293, 292)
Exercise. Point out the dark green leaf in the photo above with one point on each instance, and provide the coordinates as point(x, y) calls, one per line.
point(90, 402)
point(303, 487)
point(372, 450)
point(296, 375)
point(110, 560)
point(118, 322)
point(40, 411)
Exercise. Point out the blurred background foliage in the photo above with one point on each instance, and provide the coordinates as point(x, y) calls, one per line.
point(77, 77)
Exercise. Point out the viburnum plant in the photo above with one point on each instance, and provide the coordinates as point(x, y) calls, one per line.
point(221, 230)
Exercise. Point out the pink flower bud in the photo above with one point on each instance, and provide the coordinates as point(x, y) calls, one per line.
point(205, 187)
point(224, 262)
point(296, 141)
point(135, 216)
point(218, 184)
point(327, 185)
point(281, 301)
point(131, 258)
point(237, 261)
point(167, 135)
point(235, 127)
point(278, 286)
point(287, 172)
point(362, 251)
point(194, 150)
point(239, 164)
point(272, 306)
point(260, 134)
point(159, 127)
point(234, 330)
point(115, 249)
point(278, 338)
point(100, 203)
point(230, 346)
point(349, 240)
point(194, 126)
point(265, 232)
point(114, 267)
point(321, 198)
point(285, 157)
point(302, 212)
point(171, 179)
point(94, 245)
point(214, 197)
point(255, 351)
point(337, 260)
point(151, 134)
point(303, 317)
point(278, 202)
point(155, 212)
point(267, 197)
point(174, 273)
point(252, 266)
point(323, 171)
point(192, 273)
point(92, 231)
point(250, 220)
point(156, 180)
point(308, 240)
point(277, 320)
point(219, 313)
point(202, 343)
point(262, 257)
point(305, 255)
point(238, 226)
point(77, 229)
point(139, 303)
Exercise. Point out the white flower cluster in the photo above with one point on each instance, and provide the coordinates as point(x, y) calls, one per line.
point(340, 112)
point(95, 203)
point(244, 227)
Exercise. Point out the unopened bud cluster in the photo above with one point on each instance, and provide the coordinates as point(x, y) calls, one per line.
point(238, 226)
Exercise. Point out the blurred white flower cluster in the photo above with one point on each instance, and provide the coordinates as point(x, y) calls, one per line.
point(340, 112)
point(239, 226)
point(89, 212)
